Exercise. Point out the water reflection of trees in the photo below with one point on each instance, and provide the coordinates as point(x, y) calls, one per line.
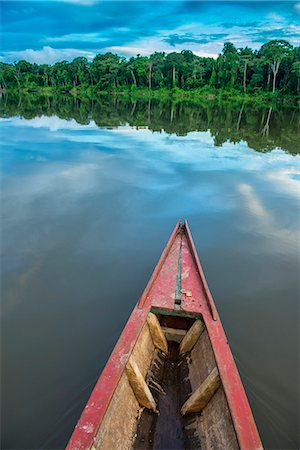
point(263, 128)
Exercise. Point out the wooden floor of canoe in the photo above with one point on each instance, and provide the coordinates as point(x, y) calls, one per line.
point(171, 377)
point(168, 429)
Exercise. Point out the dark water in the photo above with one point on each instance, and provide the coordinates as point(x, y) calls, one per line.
point(90, 193)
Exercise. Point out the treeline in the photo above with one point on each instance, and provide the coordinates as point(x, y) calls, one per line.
point(276, 66)
point(263, 128)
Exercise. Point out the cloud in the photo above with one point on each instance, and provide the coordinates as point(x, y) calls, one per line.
point(297, 8)
point(79, 2)
point(174, 39)
point(82, 37)
point(128, 51)
point(205, 54)
point(146, 48)
point(275, 17)
point(76, 30)
point(275, 31)
point(47, 55)
point(239, 24)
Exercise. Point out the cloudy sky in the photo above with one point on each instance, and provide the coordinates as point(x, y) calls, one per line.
point(48, 31)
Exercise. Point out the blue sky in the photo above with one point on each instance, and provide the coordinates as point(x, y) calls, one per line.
point(48, 31)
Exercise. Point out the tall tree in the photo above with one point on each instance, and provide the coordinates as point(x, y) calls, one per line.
point(245, 59)
point(274, 52)
point(157, 73)
point(79, 69)
point(296, 73)
point(228, 65)
point(105, 70)
point(174, 64)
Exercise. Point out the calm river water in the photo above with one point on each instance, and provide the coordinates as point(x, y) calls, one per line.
point(90, 193)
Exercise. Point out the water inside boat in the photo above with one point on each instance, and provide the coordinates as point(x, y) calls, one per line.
point(170, 396)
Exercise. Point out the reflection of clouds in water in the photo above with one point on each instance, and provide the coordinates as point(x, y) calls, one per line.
point(55, 178)
point(286, 179)
point(268, 222)
point(252, 201)
point(103, 160)
point(12, 295)
point(196, 149)
point(52, 123)
point(193, 147)
point(81, 172)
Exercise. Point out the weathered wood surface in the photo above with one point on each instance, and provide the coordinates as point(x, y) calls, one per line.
point(163, 430)
point(158, 337)
point(139, 386)
point(190, 422)
point(202, 361)
point(146, 425)
point(143, 350)
point(191, 337)
point(119, 422)
point(215, 425)
point(200, 398)
point(173, 334)
point(168, 431)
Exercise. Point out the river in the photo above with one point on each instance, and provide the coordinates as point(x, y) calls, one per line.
point(91, 190)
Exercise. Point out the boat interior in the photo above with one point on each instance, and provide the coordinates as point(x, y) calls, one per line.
point(170, 395)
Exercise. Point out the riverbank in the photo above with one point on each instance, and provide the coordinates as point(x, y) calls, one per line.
point(176, 94)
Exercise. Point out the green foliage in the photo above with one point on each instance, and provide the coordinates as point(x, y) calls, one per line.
point(276, 50)
point(274, 67)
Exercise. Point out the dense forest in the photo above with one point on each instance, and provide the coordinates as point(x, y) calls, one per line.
point(275, 67)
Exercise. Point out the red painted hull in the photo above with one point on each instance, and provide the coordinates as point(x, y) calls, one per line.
point(194, 299)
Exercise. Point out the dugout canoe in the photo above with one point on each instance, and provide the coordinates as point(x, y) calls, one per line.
point(171, 381)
